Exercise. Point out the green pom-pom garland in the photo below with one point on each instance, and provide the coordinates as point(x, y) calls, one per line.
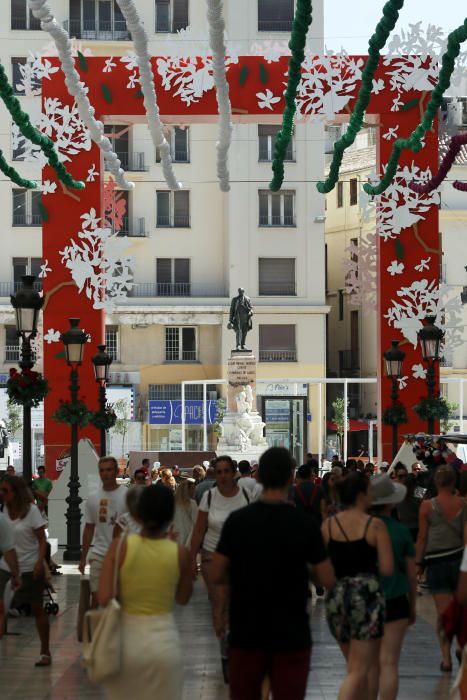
point(297, 43)
point(376, 43)
point(414, 142)
point(22, 120)
point(14, 176)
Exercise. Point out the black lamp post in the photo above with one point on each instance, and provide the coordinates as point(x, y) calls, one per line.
point(102, 362)
point(74, 340)
point(394, 359)
point(431, 338)
point(27, 303)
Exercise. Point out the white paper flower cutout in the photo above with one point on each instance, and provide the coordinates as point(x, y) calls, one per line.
point(48, 187)
point(267, 99)
point(92, 173)
point(396, 268)
point(423, 265)
point(45, 269)
point(109, 65)
point(402, 382)
point(378, 86)
point(52, 336)
point(419, 371)
point(391, 133)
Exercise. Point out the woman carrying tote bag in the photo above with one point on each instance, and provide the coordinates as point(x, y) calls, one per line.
point(153, 573)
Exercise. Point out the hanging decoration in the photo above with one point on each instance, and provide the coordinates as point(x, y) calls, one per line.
point(14, 176)
point(76, 88)
point(23, 122)
point(26, 388)
point(455, 146)
point(73, 413)
point(301, 23)
point(146, 78)
point(104, 418)
point(376, 43)
point(217, 44)
point(414, 142)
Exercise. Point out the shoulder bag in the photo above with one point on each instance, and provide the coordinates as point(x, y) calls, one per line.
point(102, 636)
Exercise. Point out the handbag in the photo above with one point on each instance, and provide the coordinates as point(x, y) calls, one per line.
point(102, 635)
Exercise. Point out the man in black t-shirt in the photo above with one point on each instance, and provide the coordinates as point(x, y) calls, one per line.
point(307, 495)
point(264, 552)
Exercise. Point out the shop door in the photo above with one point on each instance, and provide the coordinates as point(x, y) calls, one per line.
point(285, 420)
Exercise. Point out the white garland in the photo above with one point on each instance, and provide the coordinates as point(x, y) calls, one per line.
point(218, 48)
point(146, 77)
point(77, 89)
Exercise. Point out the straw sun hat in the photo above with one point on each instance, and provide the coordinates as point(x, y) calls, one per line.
point(385, 491)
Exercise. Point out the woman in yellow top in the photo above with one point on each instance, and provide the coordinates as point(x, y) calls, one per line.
point(154, 572)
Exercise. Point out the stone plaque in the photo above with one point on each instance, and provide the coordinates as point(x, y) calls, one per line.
point(241, 371)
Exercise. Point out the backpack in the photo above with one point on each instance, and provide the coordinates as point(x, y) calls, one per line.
point(245, 493)
point(308, 506)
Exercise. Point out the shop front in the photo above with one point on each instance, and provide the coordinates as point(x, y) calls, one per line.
point(164, 430)
point(284, 409)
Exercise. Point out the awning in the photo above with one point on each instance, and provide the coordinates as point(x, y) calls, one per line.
point(354, 426)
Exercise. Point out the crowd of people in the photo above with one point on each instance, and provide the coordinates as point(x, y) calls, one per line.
point(258, 535)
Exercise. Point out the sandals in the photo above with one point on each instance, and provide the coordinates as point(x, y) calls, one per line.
point(445, 669)
point(44, 660)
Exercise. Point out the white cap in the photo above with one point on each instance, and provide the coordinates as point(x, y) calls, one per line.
point(205, 464)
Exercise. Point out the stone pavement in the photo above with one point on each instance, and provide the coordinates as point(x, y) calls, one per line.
point(65, 680)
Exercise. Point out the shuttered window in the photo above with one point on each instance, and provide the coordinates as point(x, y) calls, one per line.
point(277, 343)
point(275, 15)
point(171, 15)
point(277, 277)
point(267, 134)
point(173, 209)
point(173, 276)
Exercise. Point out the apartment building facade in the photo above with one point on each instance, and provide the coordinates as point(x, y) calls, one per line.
point(192, 248)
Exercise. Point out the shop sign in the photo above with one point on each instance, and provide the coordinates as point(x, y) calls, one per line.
point(162, 412)
point(281, 389)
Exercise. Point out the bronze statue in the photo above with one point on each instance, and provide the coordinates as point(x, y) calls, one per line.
point(240, 317)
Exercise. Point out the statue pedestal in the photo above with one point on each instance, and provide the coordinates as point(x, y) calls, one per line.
point(242, 426)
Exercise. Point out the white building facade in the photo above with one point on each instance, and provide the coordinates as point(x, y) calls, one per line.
point(192, 249)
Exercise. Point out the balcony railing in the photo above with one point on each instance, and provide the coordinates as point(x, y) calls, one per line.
point(277, 355)
point(349, 360)
point(176, 289)
point(181, 356)
point(21, 23)
point(136, 228)
point(90, 29)
point(275, 25)
point(7, 288)
point(11, 353)
point(177, 221)
point(133, 162)
point(277, 289)
point(276, 221)
point(27, 220)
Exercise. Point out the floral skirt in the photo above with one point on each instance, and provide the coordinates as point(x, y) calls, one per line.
point(355, 608)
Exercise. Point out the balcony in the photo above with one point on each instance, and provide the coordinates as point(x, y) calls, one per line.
point(181, 356)
point(176, 289)
point(275, 25)
point(21, 23)
point(133, 162)
point(103, 31)
point(135, 228)
point(177, 221)
point(278, 356)
point(7, 288)
point(12, 353)
point(277, 221)
point(27, 220)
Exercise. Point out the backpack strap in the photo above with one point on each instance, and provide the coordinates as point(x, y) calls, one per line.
point(245, 493)
point(209, 498)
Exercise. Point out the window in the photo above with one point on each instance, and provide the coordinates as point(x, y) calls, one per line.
point(26, 266)
point(173, 277)
point(171, 15)
point(267, 135)
point(173, 392)
point(178, 140)
point(173, 209)
point(118, 135)
point(354, 254)
point(97, 19)
point(25, 204)
point(275, 15)
point(180, 344)
point(353, 191)
point(22, 75)
point(21, 18)
point(277, 343)
point(11, 344)
point(354, 340)
point(341, 304)
point(340, 195)
point(276, 276)
point(111, 342)
point(276, 208)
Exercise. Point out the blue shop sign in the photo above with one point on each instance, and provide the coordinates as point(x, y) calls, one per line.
point(163, 412)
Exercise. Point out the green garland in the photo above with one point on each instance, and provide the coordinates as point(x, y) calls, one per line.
point(76, 413)
point(395, 414)
point(414, 142)
point(297, 43)
point(22, 120)
point(14, 176)
point(104, 419)
point(26, 388)
point(435, 407)
point(376, 43)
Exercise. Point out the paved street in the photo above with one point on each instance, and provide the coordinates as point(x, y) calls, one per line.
point(65, 680)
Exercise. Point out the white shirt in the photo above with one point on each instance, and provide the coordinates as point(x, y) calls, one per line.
point(24, 534)
point(464, 562)
point(220, 508)
point(247, 482)
point(103, 508)
point(7, 540)
point(127, 522)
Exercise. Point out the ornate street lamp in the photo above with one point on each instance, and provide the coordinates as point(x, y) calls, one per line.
point(431, 338)
point(74, 340)
point(27, 304)
point(102, 362)
point(394, 359)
